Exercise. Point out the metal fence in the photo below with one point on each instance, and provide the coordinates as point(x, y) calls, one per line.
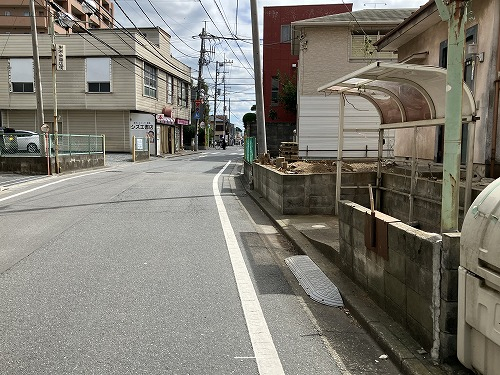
point(250, 149)
point(70, 144)
point(33, 144)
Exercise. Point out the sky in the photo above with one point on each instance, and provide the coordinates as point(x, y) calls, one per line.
point(184, 20)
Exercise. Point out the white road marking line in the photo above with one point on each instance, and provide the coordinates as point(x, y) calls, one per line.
point(266, 355)
point(46, 185)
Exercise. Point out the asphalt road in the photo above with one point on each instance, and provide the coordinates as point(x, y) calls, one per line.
point(160, 267)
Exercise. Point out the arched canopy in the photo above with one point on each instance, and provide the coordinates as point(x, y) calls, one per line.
point(405, 95)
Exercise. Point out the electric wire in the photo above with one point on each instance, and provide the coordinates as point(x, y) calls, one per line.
point(172, 30)
point(220, 32)
point(124, 56)
point(152, 23)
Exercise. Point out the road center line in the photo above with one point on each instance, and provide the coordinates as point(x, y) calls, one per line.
point(265, 352)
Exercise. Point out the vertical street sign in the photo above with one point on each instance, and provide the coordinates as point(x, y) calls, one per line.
point(60, 57)
point(197, 106)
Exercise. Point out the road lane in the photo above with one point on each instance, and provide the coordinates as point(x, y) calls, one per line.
point(128, 271)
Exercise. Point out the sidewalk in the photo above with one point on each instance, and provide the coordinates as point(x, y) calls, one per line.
point(316, 236)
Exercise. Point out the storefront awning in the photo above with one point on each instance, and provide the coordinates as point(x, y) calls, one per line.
point(162, 119)
point(405, 95)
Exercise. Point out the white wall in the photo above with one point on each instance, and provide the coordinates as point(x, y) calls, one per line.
point(319, 124)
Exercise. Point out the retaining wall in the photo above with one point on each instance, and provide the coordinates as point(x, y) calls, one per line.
point(38, 164)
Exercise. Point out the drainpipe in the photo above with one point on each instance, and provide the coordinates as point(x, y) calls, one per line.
point(495, 113)
point(454, 12)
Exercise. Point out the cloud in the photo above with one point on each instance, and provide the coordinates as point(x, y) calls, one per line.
point(184, 20)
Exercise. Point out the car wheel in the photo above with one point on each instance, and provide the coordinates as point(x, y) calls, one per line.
point(32, 148)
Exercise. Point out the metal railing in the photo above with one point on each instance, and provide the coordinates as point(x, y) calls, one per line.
point(71, 144)
point(12, 144)
point(250, 149)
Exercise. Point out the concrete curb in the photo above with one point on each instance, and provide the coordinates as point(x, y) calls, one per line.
point(392, 338)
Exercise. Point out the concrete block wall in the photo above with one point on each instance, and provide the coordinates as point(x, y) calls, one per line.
point(277, 133)
point(416, 285)
point(302, 194)
point(448, 318)
point(427, 199)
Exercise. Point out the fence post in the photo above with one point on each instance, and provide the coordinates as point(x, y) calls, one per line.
point(103, 139)
point(133, 148)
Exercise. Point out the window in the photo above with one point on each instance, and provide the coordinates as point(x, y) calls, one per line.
point(21, 75)
point(286, 33)
point(275, 85)
point(170, 89)
point(7, 13)
point(182, 94)
point(150, 80)
point(98, 71)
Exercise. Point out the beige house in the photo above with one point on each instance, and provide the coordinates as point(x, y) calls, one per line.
point(422, 39)
point(117, 83)
point(330, 47)
point(15, 15)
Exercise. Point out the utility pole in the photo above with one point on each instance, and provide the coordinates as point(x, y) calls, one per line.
point(224, 107)
point(201, 62)
point(229, 120)
point(259, 94)
point(455, 13)
point(215, 97)
point(36, 62)
point(224, 102)
point(54, 91)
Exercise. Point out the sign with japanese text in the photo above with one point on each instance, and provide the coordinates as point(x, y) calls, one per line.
point(142, 125)
point(60, 57)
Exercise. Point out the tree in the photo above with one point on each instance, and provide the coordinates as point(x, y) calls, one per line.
point(248, 119)
point(288, 93)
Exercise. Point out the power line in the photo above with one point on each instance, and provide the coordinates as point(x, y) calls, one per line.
point(236, 56)
point(165, 22)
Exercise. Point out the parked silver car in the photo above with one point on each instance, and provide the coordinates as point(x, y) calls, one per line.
point(28, 141)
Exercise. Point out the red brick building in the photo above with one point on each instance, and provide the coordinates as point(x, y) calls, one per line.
point(278, 58)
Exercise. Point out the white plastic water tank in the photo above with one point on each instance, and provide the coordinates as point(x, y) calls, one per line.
point(478, 335)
